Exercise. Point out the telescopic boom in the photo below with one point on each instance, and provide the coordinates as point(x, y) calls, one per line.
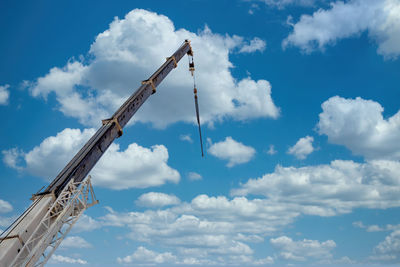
point(34, 236)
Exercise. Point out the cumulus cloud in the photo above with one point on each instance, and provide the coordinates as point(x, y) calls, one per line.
point(231, 150)
point(359, 125)
point(63, 259)
point(328, 190)
point(380, 19)
point(114, 170)
point(126, 53)
point(53, 153)
point(144, 256)
point(302, 148)
point(154, 199)
point(5, 206)
point(303, 250)
point(216, 230)
point(75, 242)
point(4, 94)
point(207, 230)
point(389, 249)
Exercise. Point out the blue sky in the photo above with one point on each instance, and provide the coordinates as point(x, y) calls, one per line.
point(299, 104)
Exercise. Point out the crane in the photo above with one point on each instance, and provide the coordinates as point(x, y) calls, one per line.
point(35, 235)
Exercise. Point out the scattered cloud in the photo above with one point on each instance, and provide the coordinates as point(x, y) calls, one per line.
point(281, 4)
point(207, 230)
point(359, 125)
point(5, 206)
point(63, 259)
point(114, 170)
point(231, 150)
point(75, 242)
point(11, 158)
point(144, 256)
point(389, 249)
point(328, 190)
point(271, 150)
point(186, 137)
point(255, 45)
point(4, 94)
point(194, 176)
point(303, 250)
point(380, 19)
point(125, 54)
point(302, 148)
point(154, 199)
point(376, 228)
point(85, 223)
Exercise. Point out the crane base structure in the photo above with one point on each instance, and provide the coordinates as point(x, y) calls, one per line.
point(59, 217)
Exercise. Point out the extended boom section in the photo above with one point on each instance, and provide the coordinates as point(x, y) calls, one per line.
point(88, 156)
point(33, 237)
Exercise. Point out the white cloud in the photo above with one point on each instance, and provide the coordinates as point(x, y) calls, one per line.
point(389, 249)
point(47, 159)
point(4, 94)
point(376, 228)
point(5, 206)
point(194, 176)
point(271, 150)
point(145, 256)
point(11, 158)
point(347, 19)
point(231, 150)
point(63, 259)
point(85, 224)
point(154, 199)
point(207, 229)
point(302, 148)
point(302, 250)
point(255, 45)
point(114, 170)
point(53, 153)
point(186, 137)
point(359, 125)
point(75, 242)
point(126, 53)
point(328, 190)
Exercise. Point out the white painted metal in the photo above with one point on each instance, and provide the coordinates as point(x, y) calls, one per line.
point(55, 224)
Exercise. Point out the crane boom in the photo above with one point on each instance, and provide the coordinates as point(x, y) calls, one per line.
point(67, 196)
point(88, 156)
